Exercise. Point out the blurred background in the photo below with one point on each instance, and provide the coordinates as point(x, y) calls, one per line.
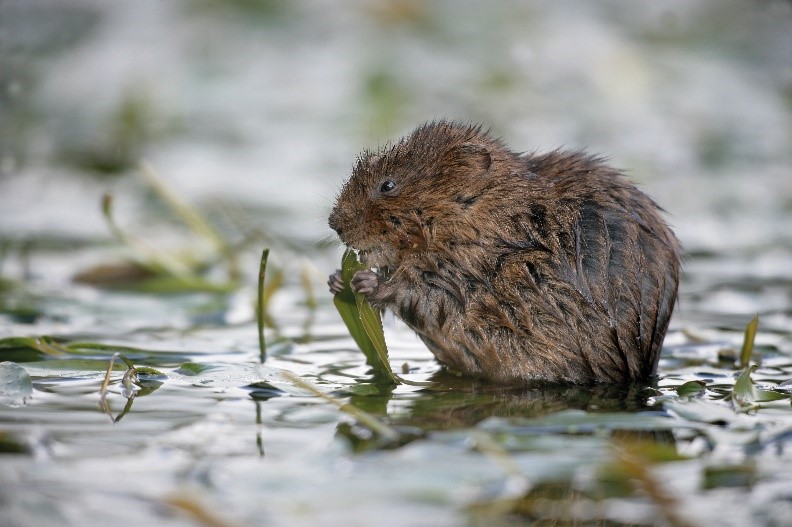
point(260, 106)
point(252, 112)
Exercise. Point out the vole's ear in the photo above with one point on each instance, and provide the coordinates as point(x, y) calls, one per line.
point(475, 155)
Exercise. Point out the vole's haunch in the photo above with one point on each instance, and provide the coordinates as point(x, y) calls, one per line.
point(512, 267)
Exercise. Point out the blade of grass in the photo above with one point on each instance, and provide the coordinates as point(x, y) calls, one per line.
point(106, 381)
point(748, 341)
point(261, 305)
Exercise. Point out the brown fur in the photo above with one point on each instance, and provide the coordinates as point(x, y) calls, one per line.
point(510, 267)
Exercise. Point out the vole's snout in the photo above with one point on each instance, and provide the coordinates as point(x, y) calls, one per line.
point(334, 220)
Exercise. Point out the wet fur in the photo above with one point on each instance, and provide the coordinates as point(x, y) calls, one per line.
point(512, 267)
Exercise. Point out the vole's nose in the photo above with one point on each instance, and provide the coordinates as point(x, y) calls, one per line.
point(334, 220)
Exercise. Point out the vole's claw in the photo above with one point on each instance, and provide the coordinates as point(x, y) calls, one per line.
point(365, 282)
point(335, 282)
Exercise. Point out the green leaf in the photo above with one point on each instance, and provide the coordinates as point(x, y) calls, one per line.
point(362, 320)
point(748, 341)
point(372, 324)
point(346, 304)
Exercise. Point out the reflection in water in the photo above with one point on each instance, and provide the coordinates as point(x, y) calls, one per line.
point(466, 402)
point(455, 403)
point(626, 469)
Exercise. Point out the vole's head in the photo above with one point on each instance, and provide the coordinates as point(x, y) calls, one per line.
point(421, 193)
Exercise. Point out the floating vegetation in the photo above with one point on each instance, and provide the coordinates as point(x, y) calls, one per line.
point(130, 384)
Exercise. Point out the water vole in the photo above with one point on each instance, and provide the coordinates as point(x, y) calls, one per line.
point(511, 267)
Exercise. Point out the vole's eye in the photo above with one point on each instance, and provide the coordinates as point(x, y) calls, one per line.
point(387, 186)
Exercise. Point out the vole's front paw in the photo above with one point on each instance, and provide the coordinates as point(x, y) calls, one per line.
point(335, 282)
point(366, 283)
